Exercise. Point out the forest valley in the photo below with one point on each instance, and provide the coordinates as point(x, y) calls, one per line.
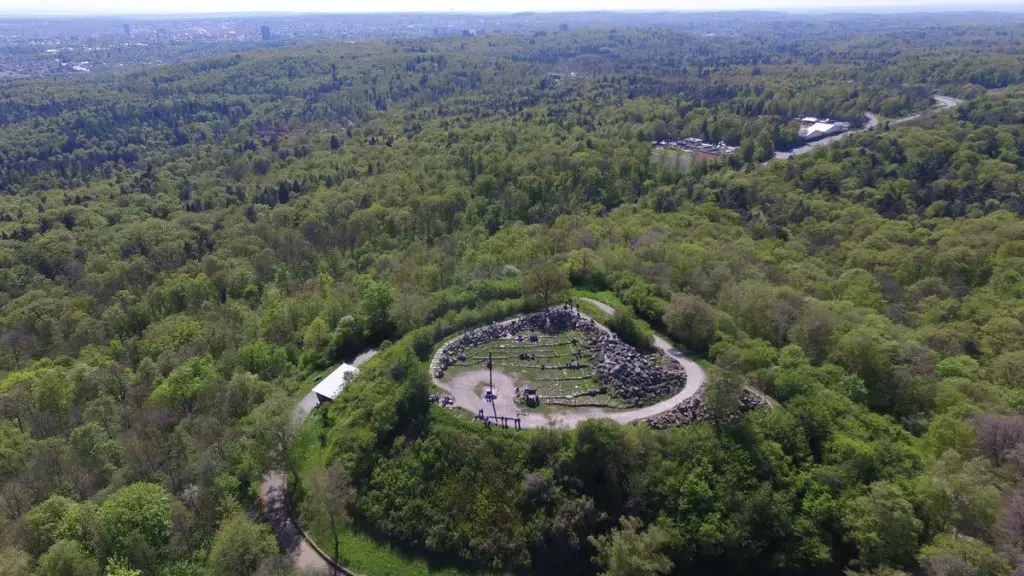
point(183, 247)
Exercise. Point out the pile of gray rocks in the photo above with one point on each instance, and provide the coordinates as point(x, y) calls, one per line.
point(627, 373)
point(691, 410)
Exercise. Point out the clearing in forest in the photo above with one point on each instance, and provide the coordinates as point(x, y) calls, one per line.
point(558, 366)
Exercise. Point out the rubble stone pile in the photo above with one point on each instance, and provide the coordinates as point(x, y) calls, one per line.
point(625, 372)
point(691, 411)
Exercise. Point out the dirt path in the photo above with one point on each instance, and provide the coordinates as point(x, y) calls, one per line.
point(600, 305)
point(364, 357)
point(466, 390)
point(304, 557)
point(274, 503)
point(942, 102)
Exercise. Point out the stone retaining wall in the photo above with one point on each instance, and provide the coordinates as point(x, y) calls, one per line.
point(626, 373)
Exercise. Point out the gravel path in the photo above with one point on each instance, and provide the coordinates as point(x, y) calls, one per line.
point(463, 388)
point(600, 306)
point(273, 500)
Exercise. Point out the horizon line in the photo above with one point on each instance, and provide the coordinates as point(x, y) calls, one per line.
point(839, 9)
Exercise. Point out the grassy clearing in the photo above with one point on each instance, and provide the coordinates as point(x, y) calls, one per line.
point(549, 368)
point(369, 557)
point(675, 159)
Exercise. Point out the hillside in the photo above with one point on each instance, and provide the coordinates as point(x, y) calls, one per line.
point(184, 247)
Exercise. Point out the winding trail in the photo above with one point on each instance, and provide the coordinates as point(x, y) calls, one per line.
point(273, 501)
point(942, 102)
point(467, 391)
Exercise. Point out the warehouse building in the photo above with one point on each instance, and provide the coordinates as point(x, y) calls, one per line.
point(812, 128)
point(329, 388)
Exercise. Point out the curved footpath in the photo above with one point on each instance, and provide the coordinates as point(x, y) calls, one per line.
point(305, 556)
point(467, 392)
point(943, 102)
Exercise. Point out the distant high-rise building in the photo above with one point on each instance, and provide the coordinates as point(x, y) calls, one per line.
point(128, 30)
point(265, 32)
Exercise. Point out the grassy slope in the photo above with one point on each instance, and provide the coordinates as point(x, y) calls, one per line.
point(360, 552)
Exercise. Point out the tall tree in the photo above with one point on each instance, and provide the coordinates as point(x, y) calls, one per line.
point(240, 546)
point(375, 300)
point(185, 384)
point(135, 523)
point(721, 397)
point(15, 562)
point(545, 281)
point(120, 567)
point(690, 321)
point(631, 550)
point(67, 558)
point(56, 518)
point(883, 526)
point(328, 494)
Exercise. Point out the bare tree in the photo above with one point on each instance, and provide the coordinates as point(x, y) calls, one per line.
point(329, 493)
point(1013, 518)
point(998, 436)
point(15, 499)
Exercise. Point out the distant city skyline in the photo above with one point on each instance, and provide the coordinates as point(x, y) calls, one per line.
point(196, 7)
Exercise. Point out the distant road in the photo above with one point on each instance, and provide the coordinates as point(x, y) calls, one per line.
point(942, 101)
point(947, 101)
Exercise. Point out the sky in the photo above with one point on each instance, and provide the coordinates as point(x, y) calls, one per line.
point(100, 7)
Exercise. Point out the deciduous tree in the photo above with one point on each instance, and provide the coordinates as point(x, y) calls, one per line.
point(185, 384)
point(135, 522)
point(545, 281)
point(690, 321)
point(632, 550)
point(329, 494)
point(240, 546)
point(67, 558)
point(883, 527)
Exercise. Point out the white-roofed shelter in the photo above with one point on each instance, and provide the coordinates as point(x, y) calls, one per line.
point(329, 388)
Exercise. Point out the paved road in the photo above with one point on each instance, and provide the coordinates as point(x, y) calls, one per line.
point(304, 557)
point(273, 491)
point(467, 392)
point(942, 102)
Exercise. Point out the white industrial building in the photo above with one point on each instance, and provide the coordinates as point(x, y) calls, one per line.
point(812, 128)
point(329, 388)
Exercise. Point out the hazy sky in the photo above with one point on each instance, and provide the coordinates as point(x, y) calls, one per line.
point(201, 6)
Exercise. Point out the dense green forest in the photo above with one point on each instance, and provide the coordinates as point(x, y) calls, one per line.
point(183, 247)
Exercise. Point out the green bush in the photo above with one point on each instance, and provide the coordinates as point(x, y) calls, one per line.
point(629, 330)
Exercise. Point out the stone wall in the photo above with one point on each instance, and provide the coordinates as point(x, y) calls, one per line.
point(626, 373)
